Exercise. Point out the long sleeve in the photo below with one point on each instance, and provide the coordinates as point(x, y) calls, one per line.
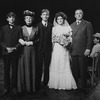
point(89, 36)
point(3, 45)
point(20, 36)
point(36, 39)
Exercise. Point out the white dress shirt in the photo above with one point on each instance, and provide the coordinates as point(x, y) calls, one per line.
point(29, 29)
point(78, 22)
point(45, 23)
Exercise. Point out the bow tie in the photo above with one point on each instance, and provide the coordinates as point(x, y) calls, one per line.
point(11, 26)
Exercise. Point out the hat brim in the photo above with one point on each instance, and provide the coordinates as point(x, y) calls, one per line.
point(29, 15)
point(96, 36)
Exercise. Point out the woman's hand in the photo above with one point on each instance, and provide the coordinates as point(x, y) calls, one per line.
point(28, 43)
point(22, 41)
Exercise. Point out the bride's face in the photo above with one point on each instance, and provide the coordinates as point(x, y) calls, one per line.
point(60, 20)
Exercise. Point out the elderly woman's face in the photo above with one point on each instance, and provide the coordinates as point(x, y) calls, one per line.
point(28, 20)
point(60, 20)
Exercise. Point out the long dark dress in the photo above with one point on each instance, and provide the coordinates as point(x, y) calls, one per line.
point(26, 67)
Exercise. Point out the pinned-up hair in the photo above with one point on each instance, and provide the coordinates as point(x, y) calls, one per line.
point(63, 15)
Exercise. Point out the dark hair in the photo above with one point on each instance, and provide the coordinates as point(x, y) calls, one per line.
point(80, 10)
point(97, 39)
point(11, 14)
point(64, 16)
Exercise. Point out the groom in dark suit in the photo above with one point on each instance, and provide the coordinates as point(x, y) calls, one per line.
point(81, 47)
point(44, 49)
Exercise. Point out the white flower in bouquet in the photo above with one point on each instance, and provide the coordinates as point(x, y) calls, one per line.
point(55, 39)
point(65, 40)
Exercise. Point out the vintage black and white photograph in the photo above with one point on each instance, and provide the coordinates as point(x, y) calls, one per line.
point(49, 50)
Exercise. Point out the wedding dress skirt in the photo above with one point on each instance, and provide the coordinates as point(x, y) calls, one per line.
point(60, 72)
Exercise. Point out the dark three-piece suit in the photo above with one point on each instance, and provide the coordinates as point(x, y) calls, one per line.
point(9, 38)
point(44, 53)
point(82, 40)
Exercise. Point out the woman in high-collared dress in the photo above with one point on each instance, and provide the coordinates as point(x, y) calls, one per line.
point(26, 68)
point(61, 77)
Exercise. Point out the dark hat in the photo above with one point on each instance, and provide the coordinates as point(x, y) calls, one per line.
point(28, 13)
point(97, 35)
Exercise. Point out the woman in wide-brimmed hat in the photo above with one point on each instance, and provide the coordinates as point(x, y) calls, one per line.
point(26, 68)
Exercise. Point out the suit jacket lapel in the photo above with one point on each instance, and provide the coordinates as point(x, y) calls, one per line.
point(11, 31)
point(25, 32)
point(77, 27)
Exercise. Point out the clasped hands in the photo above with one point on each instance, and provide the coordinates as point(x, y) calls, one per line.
point(10, 49)
point(27, 43)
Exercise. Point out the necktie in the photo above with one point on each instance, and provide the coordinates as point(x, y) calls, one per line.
point(45, 24)
point(78, 22)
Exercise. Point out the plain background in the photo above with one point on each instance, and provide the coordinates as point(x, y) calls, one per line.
point(91, 9)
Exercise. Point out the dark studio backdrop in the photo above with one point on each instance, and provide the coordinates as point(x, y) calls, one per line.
point(91, 9)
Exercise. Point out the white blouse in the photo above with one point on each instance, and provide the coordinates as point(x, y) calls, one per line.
point(29, 29)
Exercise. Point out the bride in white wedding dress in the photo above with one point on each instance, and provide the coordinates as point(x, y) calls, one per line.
point(60, 74)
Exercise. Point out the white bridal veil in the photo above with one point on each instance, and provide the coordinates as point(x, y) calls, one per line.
point(65, 22)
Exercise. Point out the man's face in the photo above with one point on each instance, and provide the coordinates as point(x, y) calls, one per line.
point(45, 16)
point(11, 20)
point(95, 40)
point(78, 14)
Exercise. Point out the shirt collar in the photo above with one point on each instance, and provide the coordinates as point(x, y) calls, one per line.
point(11, 25)
point(43, 22)
point(78, 21)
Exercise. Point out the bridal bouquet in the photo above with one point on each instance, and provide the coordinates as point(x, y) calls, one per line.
point(63, 40)
point(55, 39)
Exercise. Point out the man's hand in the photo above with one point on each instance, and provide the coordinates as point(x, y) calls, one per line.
point(9, 50)
point(87, 52)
